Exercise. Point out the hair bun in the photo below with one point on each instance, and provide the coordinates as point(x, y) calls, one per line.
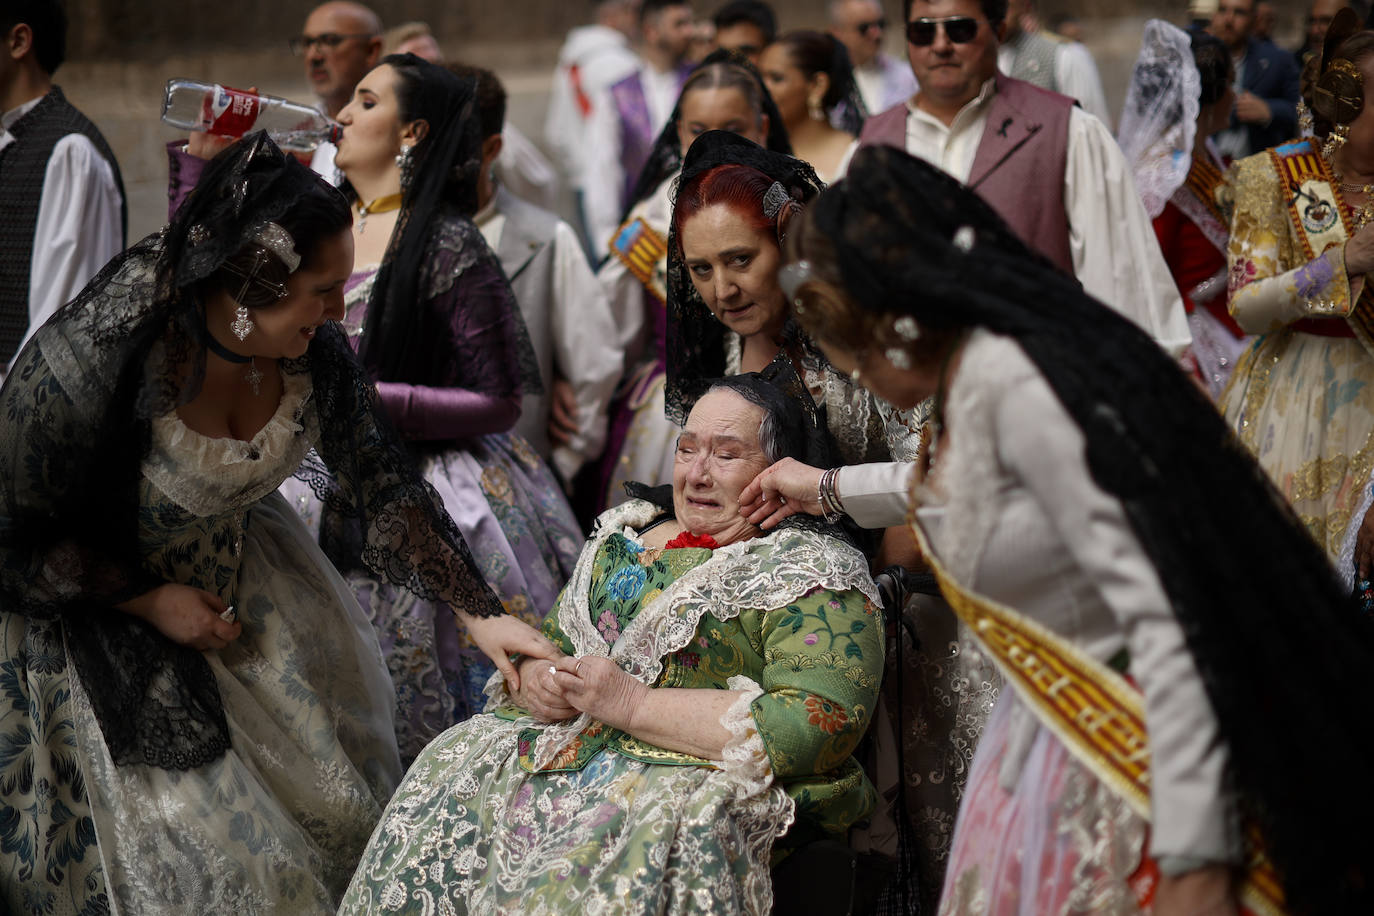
point(1339, 93)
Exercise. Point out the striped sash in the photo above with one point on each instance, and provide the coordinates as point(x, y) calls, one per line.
point(1321, 218)
point(1094, 711)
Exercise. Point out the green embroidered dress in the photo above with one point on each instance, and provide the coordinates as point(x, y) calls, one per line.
point(502, 814)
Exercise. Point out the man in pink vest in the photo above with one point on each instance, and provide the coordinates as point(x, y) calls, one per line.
point(1052, 171)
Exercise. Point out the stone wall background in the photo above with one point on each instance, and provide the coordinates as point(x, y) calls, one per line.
point(122, 52)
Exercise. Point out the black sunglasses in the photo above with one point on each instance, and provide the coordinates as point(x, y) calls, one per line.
point(959, 29)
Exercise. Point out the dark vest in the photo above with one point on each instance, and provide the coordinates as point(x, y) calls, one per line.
point(1019, 166)
point(23, 163)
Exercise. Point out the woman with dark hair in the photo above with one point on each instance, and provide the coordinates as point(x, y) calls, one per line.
point(726, 310)
point(198, 717)
point(1094, 523)
point(1180, 95)
point(810, 78)
point(717, 683)
point(434, 321)
point(724, 93)
point(1302, 396)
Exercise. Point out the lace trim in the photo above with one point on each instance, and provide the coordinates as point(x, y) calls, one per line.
point(744, 759)
point(206, 475)
point(765, 572)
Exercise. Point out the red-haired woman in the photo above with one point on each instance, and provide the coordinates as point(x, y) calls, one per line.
point(726, 311)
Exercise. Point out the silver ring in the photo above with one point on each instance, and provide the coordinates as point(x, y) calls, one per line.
point(782, 499)
point(577, 670)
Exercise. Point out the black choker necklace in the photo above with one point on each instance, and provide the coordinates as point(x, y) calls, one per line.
point(224, 352)
point(252, 376)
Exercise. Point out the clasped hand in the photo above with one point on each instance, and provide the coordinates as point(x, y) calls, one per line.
point(558, 690)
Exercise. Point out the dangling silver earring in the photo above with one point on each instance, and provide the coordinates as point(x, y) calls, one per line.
point(243, 325)
point(406, 163)
point(854, 375)
point(814, 109)
point(1335, 140)
point(899, 358)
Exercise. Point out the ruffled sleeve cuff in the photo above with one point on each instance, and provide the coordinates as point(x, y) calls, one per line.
point(744, 757)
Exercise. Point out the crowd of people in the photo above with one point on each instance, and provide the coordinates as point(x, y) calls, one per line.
point(888, 489)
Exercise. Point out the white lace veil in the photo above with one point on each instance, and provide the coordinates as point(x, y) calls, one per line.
point(1159, 121)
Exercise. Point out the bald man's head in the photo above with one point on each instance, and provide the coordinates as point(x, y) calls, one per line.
point(342, 40)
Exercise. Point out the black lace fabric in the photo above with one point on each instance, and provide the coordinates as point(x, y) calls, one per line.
point(1275, 638)
point(380, 514)
point(696, 338)
point(76, 426)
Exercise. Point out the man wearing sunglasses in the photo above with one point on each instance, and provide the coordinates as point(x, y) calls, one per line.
point(860, 26)
point(1053, 171)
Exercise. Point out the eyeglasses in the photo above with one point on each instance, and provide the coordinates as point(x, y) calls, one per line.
point(958, 29)
point(862, 27)
point(328, 41)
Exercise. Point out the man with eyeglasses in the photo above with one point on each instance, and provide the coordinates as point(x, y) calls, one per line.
point(341, 42)
point(883, 81)
point(1050, 169)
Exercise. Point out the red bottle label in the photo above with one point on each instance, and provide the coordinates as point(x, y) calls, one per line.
point(229, 112)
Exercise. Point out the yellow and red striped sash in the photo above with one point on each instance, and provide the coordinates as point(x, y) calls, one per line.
point(1204, 178)
point(1097, 714)
point(642, 251)
point(1321, 218)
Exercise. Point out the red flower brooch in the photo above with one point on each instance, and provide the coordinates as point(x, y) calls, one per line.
point(688, 539)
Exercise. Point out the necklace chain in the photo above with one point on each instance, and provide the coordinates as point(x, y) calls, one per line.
point(1365, 214)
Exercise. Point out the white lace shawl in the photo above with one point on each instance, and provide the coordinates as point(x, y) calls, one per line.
point(1159, 118)
point(763, 573)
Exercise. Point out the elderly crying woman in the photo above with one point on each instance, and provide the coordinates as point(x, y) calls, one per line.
point(717, 680)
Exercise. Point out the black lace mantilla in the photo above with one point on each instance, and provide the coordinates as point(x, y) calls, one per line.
point(75, 426)
point(696, 338)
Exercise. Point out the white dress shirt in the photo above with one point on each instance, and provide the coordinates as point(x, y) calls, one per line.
point(603, 176)
point(583, 340)
point(79, 226)
point(601, 56)
point(1111, 238)
point(1075, 75)
point(884, 82)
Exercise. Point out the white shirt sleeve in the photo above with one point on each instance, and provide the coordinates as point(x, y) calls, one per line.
point(585, 351)
point(79, 226)
point(875, 495)
point(1076, 73)
point(1115, 252)
point(603, 177)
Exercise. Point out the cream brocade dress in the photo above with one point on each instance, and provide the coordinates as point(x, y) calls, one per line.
point(1302, 403)
point(277, 823)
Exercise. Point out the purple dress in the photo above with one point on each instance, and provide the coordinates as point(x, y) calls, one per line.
point(499, 491)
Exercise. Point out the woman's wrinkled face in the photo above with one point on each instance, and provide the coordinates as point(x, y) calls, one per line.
point(718, 454)
point(372, 128)
point(724, 108)
point(734, 268)
point(314, 295)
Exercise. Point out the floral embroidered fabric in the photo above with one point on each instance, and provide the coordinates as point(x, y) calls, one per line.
point(500, 813)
